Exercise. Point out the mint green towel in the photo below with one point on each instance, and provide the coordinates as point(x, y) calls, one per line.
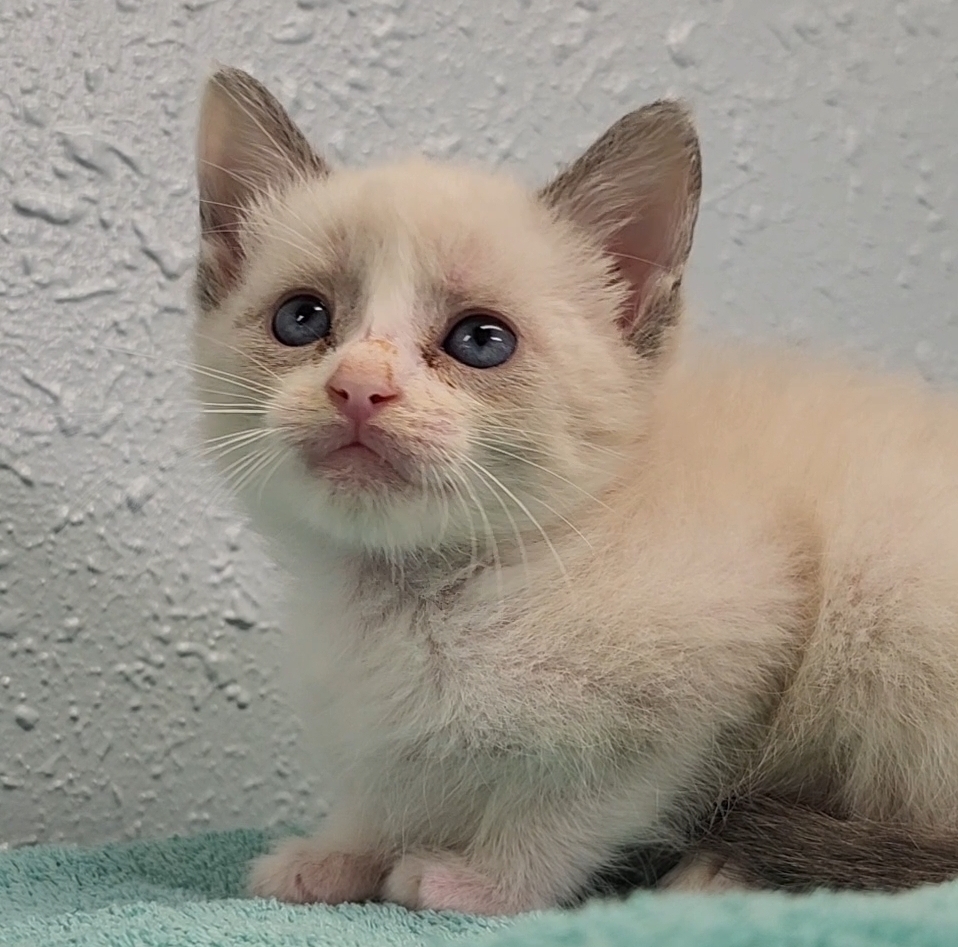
point(188, 892)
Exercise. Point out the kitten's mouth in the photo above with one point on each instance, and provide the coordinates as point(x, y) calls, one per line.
point(355, 463)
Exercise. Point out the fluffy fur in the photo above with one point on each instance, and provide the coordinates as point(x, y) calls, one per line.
point(570, 603)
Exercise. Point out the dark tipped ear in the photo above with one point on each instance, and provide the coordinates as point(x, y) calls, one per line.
point(247, 145)
point(637, 191)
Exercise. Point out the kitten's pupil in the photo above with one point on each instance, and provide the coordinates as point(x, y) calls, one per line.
point(302, 320)
point(480, 341)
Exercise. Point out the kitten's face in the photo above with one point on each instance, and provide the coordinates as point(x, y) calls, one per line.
point(410, 356)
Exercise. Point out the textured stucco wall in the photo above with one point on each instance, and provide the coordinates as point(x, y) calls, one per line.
point(138, 636)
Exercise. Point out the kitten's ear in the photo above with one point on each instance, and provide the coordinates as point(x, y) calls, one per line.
point(247, 146)
point(637, 191)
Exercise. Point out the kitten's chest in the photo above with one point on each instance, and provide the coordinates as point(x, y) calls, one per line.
point(387, 675)
point(565, 669)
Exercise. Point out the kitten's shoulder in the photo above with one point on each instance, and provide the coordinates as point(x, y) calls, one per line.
point(740, 384)
point(757, 426)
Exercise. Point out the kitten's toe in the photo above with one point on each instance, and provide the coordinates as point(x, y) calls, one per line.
point(701, 872)
point(447, 883)
point(302, 871)
point(402, 883)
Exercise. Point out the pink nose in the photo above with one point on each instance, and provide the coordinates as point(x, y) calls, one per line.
point(359, 398)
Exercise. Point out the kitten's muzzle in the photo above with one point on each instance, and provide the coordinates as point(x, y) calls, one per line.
point(356, 454)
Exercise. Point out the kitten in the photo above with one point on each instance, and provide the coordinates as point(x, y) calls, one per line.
point(560, 582)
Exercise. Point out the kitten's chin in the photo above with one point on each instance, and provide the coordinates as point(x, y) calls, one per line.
point(352, 496)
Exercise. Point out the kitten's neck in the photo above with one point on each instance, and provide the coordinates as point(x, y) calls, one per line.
point(420, 577)
point(430, 577)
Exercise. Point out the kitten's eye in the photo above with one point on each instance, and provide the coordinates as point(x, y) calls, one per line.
point(480, 341)
point(302, 320)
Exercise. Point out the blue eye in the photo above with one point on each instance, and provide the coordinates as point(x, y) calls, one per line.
point(302, 320)
point(480, 341)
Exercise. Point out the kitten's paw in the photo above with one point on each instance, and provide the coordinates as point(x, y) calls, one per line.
point(700, 872)
point(302, 871)
point(448, 883)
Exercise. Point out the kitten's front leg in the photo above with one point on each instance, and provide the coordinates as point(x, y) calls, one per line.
point(332, 867)
point(525, 858)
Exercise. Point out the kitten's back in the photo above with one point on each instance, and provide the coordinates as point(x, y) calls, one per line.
point(868, 467)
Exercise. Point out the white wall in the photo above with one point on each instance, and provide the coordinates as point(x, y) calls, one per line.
point(138, 637)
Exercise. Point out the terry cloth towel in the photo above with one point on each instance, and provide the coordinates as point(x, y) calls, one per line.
point(187, 892)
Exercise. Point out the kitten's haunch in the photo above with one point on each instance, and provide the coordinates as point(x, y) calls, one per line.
point(772, 843)
point(560, 578)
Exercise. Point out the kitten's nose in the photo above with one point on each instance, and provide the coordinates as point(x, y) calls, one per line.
point(359, 397)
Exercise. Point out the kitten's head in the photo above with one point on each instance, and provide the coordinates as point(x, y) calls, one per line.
point(420, 354)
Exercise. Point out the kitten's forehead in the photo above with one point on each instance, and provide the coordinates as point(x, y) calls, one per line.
point(434, 202)
point(392, 294)
point(412, 230)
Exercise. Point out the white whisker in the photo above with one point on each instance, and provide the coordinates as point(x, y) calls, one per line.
point(545, 536)
point(238, 381)
point(242, 441)
point(491, 482)
point(259, 363)
point(527, 433)
point(493, 447)
point(490, 533)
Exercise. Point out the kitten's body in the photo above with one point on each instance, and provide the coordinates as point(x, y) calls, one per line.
point(768, 631)
point(682, 575)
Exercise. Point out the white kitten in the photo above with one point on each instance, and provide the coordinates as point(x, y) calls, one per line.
point(559, 584)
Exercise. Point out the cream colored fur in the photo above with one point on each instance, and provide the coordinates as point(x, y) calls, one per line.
point(618, 580)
